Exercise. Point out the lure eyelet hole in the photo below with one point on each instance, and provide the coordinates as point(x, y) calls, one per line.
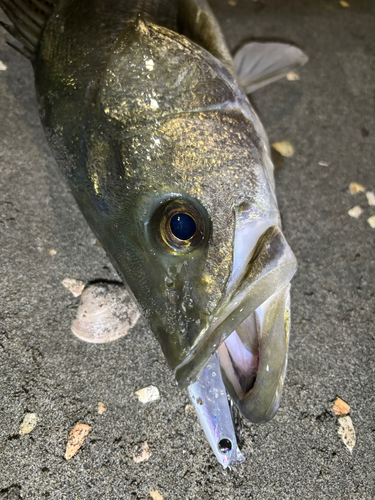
point(225, 446)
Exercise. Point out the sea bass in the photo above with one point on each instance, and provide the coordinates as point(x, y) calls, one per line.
point(147, 116)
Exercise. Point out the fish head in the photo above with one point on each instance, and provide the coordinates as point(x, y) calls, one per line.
point(180, 193)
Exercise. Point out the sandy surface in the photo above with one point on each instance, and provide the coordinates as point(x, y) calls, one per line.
point(328, 116)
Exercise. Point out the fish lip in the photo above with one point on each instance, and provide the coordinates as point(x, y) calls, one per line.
point(271, 268)
point(259, 403)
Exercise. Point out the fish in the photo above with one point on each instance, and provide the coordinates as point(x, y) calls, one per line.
point(147, 115)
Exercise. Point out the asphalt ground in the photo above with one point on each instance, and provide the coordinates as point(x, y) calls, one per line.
point(328, 116)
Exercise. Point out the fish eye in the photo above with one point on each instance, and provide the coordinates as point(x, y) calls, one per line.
point(180, 224)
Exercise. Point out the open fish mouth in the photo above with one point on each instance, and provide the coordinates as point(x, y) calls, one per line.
point(250, 331)
point(254, 358)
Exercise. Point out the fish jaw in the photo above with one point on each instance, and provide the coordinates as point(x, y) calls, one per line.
point(264, 288)
point(256, 386)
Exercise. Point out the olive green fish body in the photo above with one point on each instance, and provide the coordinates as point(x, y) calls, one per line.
point(141, 107)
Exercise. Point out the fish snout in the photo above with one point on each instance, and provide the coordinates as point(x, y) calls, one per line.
point(250, 331)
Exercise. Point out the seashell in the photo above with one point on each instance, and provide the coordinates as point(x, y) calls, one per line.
point(148, 394)
point(106, 313)
point(284, 148)
point(76, 439)
point(76, 287)
point(28, 424)
point(142, 453)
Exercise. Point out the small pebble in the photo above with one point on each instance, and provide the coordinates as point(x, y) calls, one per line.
point(371, 221)
point(3, 67)
point(76, 439)
point(355, 211)
point(28, 424)
point(284, 148)
point(74, 286)
point(101, 408)
point(143, 454)
point(292, 76)
point(343, 3)
point(155, 495)
point(355, 188)
point(323, 163)
point(347, 432)
point(370, 198)
point(340, 407)
point(148, 394)
point(52, 251)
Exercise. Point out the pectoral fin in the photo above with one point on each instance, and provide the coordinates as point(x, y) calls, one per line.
point(259, 64)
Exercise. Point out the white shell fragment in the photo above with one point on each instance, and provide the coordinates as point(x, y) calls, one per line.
point(101, 408)
point(155, 495)
point(148, 394)
point(284, 148)
point(370, 198)
point(355, 211)
point(143, 454)
point(292, 76)
point(76, 439)
point(323, 163)
point(371, 221)
point(28, 424)
point(340, 407)
point(106, 312)
point(355, 188)
point(3, 67)
point(347, 432)
point(74, 286)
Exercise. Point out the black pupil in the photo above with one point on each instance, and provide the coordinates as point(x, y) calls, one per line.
point(225, 446)
point(183, 226)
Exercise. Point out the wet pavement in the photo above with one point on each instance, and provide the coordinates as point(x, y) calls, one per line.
point(328, 116)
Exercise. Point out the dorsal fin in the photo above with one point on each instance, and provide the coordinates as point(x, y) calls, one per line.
point(29, 18)
point(197, 21)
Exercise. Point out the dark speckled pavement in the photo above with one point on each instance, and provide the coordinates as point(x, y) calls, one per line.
point(328, 115)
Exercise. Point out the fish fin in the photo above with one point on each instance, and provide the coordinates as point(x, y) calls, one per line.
point(29, 18)
point(259, 64)
point(197, 22)
point(23, 51)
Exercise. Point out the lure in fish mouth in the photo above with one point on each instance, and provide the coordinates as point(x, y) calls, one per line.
point(171, 167)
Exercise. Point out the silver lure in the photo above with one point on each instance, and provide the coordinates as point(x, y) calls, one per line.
point(209, 397)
